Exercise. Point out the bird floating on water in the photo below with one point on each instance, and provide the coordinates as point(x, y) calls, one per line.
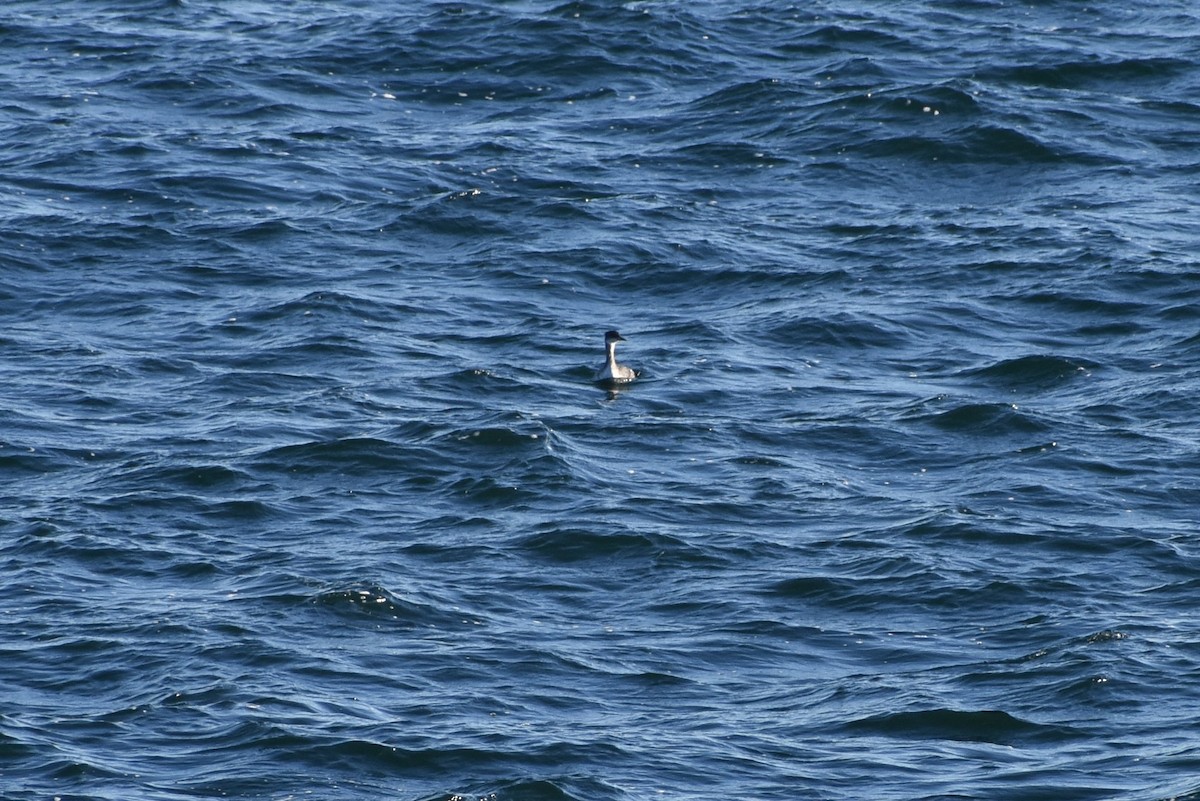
point(612, 372)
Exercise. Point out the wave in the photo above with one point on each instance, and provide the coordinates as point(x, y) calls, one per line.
point(841, 330)
point(1034, 372)
point(984, 726)
point(987, 419)
point(567, 545)
point(1096, 72)
point(376, 602)
point(981, 145)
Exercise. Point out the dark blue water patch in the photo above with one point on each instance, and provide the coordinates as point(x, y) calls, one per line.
point(984, 726)
point(978, 145)
point(761, 119)
point(959, 99)
point(986, 419)
point(12, 746)
point(936, 592)
point(726, 155)
point(378, 605)
point(486, 492)
point(1100, 307)
point(16, 459)
point(570, 546)
point(1128, 73)
point(380, 759)
point(854, 35)
point(295, 348)
point(564, 789)
point(195, 477)
point(351, 456)
point(379, 765)
point(1191, 794)
point(1034, 372)
point(1103, 668)
point(462, 213)
point(838, 331)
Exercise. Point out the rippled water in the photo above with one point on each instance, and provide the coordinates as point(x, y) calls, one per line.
point(307, 491)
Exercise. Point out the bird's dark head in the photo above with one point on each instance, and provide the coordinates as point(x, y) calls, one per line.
point(612, 336)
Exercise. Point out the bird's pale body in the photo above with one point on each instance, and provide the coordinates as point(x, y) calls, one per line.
point(613, 371)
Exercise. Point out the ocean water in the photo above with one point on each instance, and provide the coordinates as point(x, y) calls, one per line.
point(306, 491)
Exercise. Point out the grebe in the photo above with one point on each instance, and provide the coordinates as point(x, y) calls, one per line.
point(611, 371)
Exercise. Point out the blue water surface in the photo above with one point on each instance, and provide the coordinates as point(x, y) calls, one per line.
point(306, 490)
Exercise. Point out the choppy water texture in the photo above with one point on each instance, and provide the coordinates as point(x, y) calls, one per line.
point(307, 492)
